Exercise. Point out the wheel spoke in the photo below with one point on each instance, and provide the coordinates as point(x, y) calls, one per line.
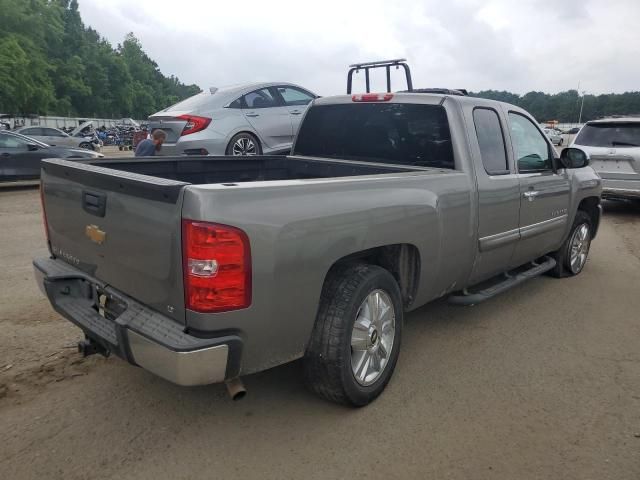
point(362, 366)
point(372, 303)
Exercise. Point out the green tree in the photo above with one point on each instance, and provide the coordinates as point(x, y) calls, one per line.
point(51, 63)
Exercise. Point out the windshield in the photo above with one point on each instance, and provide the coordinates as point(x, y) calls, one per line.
point(609, 135)
point(395, 133)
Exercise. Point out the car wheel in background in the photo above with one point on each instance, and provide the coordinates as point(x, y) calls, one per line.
point(355, 341)
point(86, 145)
point(561, 142)
point(244, 144)
point(572, 256)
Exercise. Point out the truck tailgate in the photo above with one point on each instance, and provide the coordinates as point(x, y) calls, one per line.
point(121, 228)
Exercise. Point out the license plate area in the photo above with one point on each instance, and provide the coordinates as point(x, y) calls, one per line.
point(613, 165)
point(106, 304)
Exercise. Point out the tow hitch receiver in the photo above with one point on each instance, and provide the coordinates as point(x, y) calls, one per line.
point(88, 347)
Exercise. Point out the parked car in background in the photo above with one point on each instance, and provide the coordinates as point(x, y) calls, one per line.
point(252, 119)
point(20, 156)
point(614, 146)
point(54, 137)
point(554, 135)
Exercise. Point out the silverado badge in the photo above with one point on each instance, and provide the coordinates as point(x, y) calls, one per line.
point(95, 234)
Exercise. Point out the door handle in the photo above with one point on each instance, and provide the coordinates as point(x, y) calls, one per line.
point(252, 114)
point(295, 112)
point(531, 195)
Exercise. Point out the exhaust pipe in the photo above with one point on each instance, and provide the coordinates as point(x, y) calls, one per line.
point(236, 389)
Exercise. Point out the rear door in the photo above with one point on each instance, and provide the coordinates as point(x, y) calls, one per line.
point(296, 100)
point(544, 193)
point(269, 117)
point(17, 160)
point(123, 229)
point(498, 192)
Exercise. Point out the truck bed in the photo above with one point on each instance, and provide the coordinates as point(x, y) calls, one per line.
point(207, 169)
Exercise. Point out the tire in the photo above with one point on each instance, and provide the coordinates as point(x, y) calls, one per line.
point(120, 147)
point(331, 358)
point(565, 267)
point(561, 142)
point(243, 144)
point(86, 146)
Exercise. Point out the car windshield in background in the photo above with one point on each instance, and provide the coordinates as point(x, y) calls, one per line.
point(395, 133)
point(610, 135)
point(22, 139)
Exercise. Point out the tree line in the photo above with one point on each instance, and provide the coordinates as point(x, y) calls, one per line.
point(565, 106)
point(52, 64)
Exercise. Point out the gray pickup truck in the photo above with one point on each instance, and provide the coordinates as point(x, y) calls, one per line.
point(205, 269)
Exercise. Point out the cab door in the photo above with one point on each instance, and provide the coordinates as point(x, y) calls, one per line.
point(544, 192)
point(498, 193)
point(264, 111)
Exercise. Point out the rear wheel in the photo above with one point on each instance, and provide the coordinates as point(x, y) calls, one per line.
point(356, 339)
point(244, 144)
point(572, 256)
point(86, 146)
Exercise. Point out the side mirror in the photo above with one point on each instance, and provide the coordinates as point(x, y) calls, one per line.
point(32, 147)
point(574, 158)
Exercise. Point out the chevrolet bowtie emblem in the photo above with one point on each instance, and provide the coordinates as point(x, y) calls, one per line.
point(95, 234)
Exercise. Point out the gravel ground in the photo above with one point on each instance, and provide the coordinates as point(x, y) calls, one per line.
point(540, 383)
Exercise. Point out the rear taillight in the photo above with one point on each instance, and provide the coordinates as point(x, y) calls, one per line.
point(372, 97)
point(217, 267)
point(44, 216)
point(194, 124)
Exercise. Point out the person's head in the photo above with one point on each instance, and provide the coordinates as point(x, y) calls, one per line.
point(158, 137)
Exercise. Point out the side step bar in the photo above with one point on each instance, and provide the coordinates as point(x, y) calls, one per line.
point(466, 298)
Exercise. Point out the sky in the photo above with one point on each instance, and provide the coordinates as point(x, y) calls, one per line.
point(513, 45)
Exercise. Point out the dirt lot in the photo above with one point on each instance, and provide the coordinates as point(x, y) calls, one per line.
point(540, 383)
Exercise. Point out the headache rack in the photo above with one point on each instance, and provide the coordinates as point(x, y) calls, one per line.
point(387, 65)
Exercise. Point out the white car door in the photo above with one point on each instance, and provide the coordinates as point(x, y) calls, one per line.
point(296, 100)
point(270, 119)
point(55, 137)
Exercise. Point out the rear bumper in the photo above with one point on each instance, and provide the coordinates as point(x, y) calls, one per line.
point(614, 188)
point(138, 334)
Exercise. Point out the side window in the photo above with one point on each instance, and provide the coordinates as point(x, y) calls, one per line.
point(490, 141)
point(237, 103)
point(294, 96)
point(30, 131)
point(529, 145)
point(260, 99)
point(52, 132)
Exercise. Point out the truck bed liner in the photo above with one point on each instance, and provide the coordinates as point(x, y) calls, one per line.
point(208, 169)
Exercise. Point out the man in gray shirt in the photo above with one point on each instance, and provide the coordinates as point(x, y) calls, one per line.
point(149, 147)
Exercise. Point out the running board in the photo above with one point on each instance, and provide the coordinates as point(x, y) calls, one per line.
point(536, 269)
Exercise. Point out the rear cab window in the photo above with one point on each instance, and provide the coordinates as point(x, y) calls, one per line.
point(396, 133)
point(610, 134)
point(491, 142)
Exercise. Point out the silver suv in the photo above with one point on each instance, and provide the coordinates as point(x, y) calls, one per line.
point(614, 147)
point(253, 119)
